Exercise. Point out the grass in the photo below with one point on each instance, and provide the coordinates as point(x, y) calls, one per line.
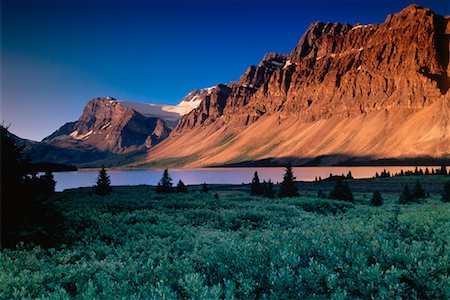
point(136, 244)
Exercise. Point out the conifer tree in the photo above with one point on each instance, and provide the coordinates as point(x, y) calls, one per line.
point(443, 170)
point(446, 192)
point(288, 188)
point(181, 187)
point(165, 184)
point(377, 199)
point(341, 191)
point(406, 196)
point(103, 186)
point(256, 188)
point(419, 192)
point(349, 175)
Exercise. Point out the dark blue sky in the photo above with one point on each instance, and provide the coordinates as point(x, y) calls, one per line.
point(56, 55)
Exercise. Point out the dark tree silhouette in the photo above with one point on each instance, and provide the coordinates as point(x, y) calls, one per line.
point(377, 199)
point(349, 175)
point(204, 188)
point(165, 184)
point(442, 170)
point(341, 191)
point(256, 187)
point(287, 187)
point(406, 196)
point(446, 192)
point(267, 189)
point(103, 186)
point(26, 213)
point(181, 187)
point(419, 192)
point(48, 183)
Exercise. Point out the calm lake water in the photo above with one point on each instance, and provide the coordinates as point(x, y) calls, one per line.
point(83, 178)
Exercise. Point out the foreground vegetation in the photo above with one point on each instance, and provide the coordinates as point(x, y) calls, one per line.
point(225, 244)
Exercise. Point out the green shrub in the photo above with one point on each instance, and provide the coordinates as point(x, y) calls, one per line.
point(377, 199)
point(341, 191)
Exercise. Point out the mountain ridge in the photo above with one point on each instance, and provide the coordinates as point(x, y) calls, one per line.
point(338, 75)
point(344, 91)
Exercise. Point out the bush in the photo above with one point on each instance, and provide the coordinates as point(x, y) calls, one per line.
point(446, 192)
point(181, 187)
point(419, 192)
point(377, 199)
point(267, 189)
point(406, 196)
point(341, 191)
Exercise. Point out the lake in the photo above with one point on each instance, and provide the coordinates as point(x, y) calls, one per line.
point(83, 178)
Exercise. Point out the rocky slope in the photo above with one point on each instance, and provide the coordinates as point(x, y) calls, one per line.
point(108, 128)
point(378, 90)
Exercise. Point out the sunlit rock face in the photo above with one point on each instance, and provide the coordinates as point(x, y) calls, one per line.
point(107, 125)
point(378, 90)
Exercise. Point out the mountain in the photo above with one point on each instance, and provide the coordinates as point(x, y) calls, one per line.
point(345, 92)
point(108, 128)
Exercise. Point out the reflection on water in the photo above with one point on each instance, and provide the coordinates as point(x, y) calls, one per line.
point(82, 178)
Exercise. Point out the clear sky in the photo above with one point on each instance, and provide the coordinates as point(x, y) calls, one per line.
point(56, 55)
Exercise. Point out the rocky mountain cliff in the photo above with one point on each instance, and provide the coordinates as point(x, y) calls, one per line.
point(378, 90)
point(108, 126)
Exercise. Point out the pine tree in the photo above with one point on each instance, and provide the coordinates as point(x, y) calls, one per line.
point(288, 188)
point(256, 188)
point(442, 171)
point(406, 196)
point(341, 191)
point(419, 192)
point(103, 186)
point(349, 175)
point(181, 187)
point(165, 184)
point(377, 199)
point(446, 192)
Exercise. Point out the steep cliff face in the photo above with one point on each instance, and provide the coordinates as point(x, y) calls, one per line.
point(337, 74)
point(225, 100)
point(108, 126)
point(344, 70)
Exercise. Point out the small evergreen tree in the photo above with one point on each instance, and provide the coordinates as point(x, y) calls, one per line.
point(288, 188)
point(204, 188)
point(267, 189)
point(377, 199)
point(446, 192)
point(406, 196)
point(419, 192)
point(103, 186)
point(341, 191)
point(165, 184)
point(181, 187)
point(256, 188)
point(349, 175)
